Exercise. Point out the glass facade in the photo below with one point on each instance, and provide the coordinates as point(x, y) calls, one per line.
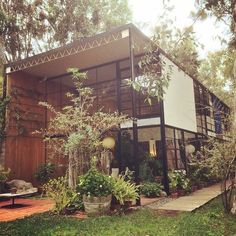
point(212, 114)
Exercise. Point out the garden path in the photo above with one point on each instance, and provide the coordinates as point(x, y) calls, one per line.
point(190, 202)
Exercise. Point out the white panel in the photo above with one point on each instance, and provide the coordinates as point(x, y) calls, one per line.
point(125, 33)
point(212, 134)
point(179, 102)
point(142, 122)
point(127, 124)
point(149, 121)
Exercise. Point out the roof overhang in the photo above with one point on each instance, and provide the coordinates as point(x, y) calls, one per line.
point(83, 54)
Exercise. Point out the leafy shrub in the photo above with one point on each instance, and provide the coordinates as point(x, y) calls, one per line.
point(151, 189)
point(178, 180)
point(128, 175)
point(200, 172)
point(59, 191)
point(124, 190)
point(44, 172)
point(4, 173)
point(94, 183)
point(149, 168)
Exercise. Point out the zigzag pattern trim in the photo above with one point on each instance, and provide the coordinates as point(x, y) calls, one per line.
point(84, 46)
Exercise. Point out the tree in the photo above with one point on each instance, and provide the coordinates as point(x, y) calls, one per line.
point(223, 10)
point(182, 49)
point(216, 73)
point(76, 131)
point(21, 25)
point(223, 155)
point(180, 44)
point(32, 26)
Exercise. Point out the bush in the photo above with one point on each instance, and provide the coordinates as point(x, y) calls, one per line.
point(124, 190)
point(151, 189)
point(44, 172)
point(4, 173)
point(59, 191)
point(95, 184)
point(178, 180)
point(201, 173)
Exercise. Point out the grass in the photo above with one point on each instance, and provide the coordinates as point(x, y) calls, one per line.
point(210, 220)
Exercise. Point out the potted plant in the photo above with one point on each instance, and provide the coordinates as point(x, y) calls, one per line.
point(173, 189)
point(4, 174)
point(96, 189)
point(43, 174)
point(179, 181)
point(124, 191)
point(151, 190)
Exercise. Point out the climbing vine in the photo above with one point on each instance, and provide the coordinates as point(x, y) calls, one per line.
point(3, 105)
point(16, 112)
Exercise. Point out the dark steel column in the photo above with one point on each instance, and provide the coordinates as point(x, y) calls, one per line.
point(118, 97)
point(46, 117)
point(184, 150)
point(164, 150)
point(4, 95)
point(135, 127)
point(4, 92)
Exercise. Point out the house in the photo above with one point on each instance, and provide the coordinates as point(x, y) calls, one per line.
point(170, 129)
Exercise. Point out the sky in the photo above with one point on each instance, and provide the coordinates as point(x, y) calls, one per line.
point(147, 11)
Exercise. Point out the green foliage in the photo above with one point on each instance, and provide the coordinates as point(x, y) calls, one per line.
point(155, 74)
point(220, 162)
point(94, 183)
point(44, 172)
point(128, 175)
point(180, 44)
point(43, 25)
point(59, 191)
point(3, 105)
point(151, 189)
point(208, 220)
point(124, 190)
point(216, 73)
point(223, 11)
point(4, 173)
point(145, 172)
point(149, 168)
point(178, 180)
point(200, 172)
point(80, 130)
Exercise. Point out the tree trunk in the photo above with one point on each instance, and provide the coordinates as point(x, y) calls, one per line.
point(72, 170)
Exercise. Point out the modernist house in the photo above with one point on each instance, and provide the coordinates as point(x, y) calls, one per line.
point(185, 117)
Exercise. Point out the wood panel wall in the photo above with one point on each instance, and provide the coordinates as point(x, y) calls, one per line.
point(24, 150)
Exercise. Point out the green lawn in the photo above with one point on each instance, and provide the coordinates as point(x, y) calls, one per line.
point(209, 220)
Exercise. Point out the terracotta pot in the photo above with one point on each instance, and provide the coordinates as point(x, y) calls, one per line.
point(158, 179)
point(128, 204)
point(194, 188)
point(70, 210)
point(200, 186)
point(181, 192)
point(174, 195)
point(96, 205)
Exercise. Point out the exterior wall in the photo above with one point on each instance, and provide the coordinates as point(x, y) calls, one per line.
point(179, 102)
point(24, 151)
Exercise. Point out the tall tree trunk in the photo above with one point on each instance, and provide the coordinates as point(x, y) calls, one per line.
point(72, 170)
